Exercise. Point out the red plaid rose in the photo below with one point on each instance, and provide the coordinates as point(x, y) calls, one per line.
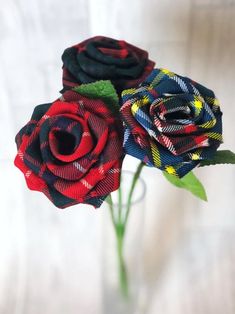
point(71, 150)
point(101, 58)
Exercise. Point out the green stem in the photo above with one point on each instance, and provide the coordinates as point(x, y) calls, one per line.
point(120, 202)
point(119, 232)
point(110, 202)
point(123, 279)
point(133, 184)
point(120, 228)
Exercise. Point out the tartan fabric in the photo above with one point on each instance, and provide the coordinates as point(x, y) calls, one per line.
point(71, 149)
point(171, 122)
point(103, 58)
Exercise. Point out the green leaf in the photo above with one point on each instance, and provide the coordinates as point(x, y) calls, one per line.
point(100, 90)
point(220, 157)
point(189, 182)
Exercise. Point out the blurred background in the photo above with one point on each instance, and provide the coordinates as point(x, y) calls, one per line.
point(51, 260)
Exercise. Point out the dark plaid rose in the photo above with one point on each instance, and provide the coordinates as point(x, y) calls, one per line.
point(102, 58)
point(172, 122)
point(71, 150)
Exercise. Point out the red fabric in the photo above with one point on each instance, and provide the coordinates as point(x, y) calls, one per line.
point(73, 151)
point(101, 58)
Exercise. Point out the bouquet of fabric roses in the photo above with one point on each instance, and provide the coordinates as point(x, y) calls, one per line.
point(114, 102)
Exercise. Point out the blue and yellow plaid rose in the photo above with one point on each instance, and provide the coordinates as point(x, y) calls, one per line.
point(171, 122)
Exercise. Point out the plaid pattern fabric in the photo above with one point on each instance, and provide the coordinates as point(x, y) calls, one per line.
point(71, 149)
point(103, 58)
point(171, 122)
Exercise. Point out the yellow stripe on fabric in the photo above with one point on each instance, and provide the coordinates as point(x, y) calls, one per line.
point(130, 91)
point(157, 79)
point(213, 101)
point(171, 170)
point(216, 102)
point(208, 124)
point(197, 103)
point(216, 136)
point(145, 100)
point(196, 155)
point(135, 107)
point(167, 72)
point(138, 104)
point(156, 155)
point(160, 75)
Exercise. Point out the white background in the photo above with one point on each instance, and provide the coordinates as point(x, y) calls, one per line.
point(50, 260)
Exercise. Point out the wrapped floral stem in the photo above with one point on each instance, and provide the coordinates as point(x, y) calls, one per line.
point(123, 274)
point(120, 222)
point(119, 235)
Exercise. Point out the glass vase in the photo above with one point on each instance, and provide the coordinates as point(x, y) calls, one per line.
point(122, 247)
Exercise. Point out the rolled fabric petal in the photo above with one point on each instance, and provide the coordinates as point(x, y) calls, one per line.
point(70, 147)
point(103, 58)
point(171, 122)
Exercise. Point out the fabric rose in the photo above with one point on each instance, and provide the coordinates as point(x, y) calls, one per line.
point(103, 58)
point(71, 149)
point(171, 122)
